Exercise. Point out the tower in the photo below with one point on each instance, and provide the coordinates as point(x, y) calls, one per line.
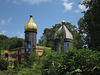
point(63, 33)
point(30, 35)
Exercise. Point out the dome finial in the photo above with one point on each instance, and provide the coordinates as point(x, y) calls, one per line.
point(63, 22)
point(30, 15)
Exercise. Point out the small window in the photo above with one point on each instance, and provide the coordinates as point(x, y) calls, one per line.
point(27, 50)
point(10, 55)
point(6, 55)
point(19, 52)
point(14, 56)
point(27, 34)
point(25, 44)
point(29, 45)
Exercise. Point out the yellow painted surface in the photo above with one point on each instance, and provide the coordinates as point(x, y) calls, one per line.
point(39, 52)
point(13, 51)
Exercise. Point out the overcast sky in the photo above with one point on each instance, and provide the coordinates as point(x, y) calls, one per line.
point(14, 14)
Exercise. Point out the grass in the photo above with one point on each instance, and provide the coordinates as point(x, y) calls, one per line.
point(2, 73)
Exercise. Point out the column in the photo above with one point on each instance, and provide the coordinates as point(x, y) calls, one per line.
point(59, 46)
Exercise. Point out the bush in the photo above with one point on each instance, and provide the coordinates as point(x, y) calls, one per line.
point(30, 60)
point(73, 62)
point(3, 64)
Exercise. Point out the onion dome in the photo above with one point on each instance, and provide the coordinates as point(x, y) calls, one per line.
point(65, 32)
point(30, 25)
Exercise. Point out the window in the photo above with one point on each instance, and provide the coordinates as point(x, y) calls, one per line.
point(27, 35)
point(25, 44)
point(19, 52)
point(27, 50)
point(14, 56)
point(67, 44)
point(33, 48)
point(10, 55)
point(29, 44)
point(6, 55)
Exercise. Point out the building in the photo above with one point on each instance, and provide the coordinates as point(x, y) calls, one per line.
point(30, 35)
point(20, 54)
point(63, 37)
point(13, 55)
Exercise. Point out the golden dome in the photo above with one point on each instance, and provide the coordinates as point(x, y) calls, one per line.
point(63, 22)
point(30, 25)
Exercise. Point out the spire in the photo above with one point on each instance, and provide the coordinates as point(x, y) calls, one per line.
point(65, 32)
point(31, 16)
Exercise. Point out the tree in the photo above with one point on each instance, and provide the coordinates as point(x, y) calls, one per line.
point(3, 39)
point(42, 41)
point(91, 24)
point(10, 43)
point(50, 32)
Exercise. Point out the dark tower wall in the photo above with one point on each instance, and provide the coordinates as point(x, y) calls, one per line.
point(30, 41)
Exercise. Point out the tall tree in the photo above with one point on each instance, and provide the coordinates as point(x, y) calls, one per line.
point(91, 23)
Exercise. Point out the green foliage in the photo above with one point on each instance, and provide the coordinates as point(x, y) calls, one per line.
point(16, 63)
point(73, 62)
point(90, 24)
point(3, 64)
point(10, 43)
point(42, 41)
point(30, 60)
point(16, 42)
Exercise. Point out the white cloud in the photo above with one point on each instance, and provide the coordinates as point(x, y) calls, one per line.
point(65, 0)
point(68, 6)
point(77, 11)
point(21, 34)
point(9, 19)
point(3, 32)
point(82, 7)
point(27, 1)
point(3, 21)
point(13, 1)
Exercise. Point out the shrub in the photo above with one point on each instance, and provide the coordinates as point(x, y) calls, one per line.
point(3, 64)
point(73, 62)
